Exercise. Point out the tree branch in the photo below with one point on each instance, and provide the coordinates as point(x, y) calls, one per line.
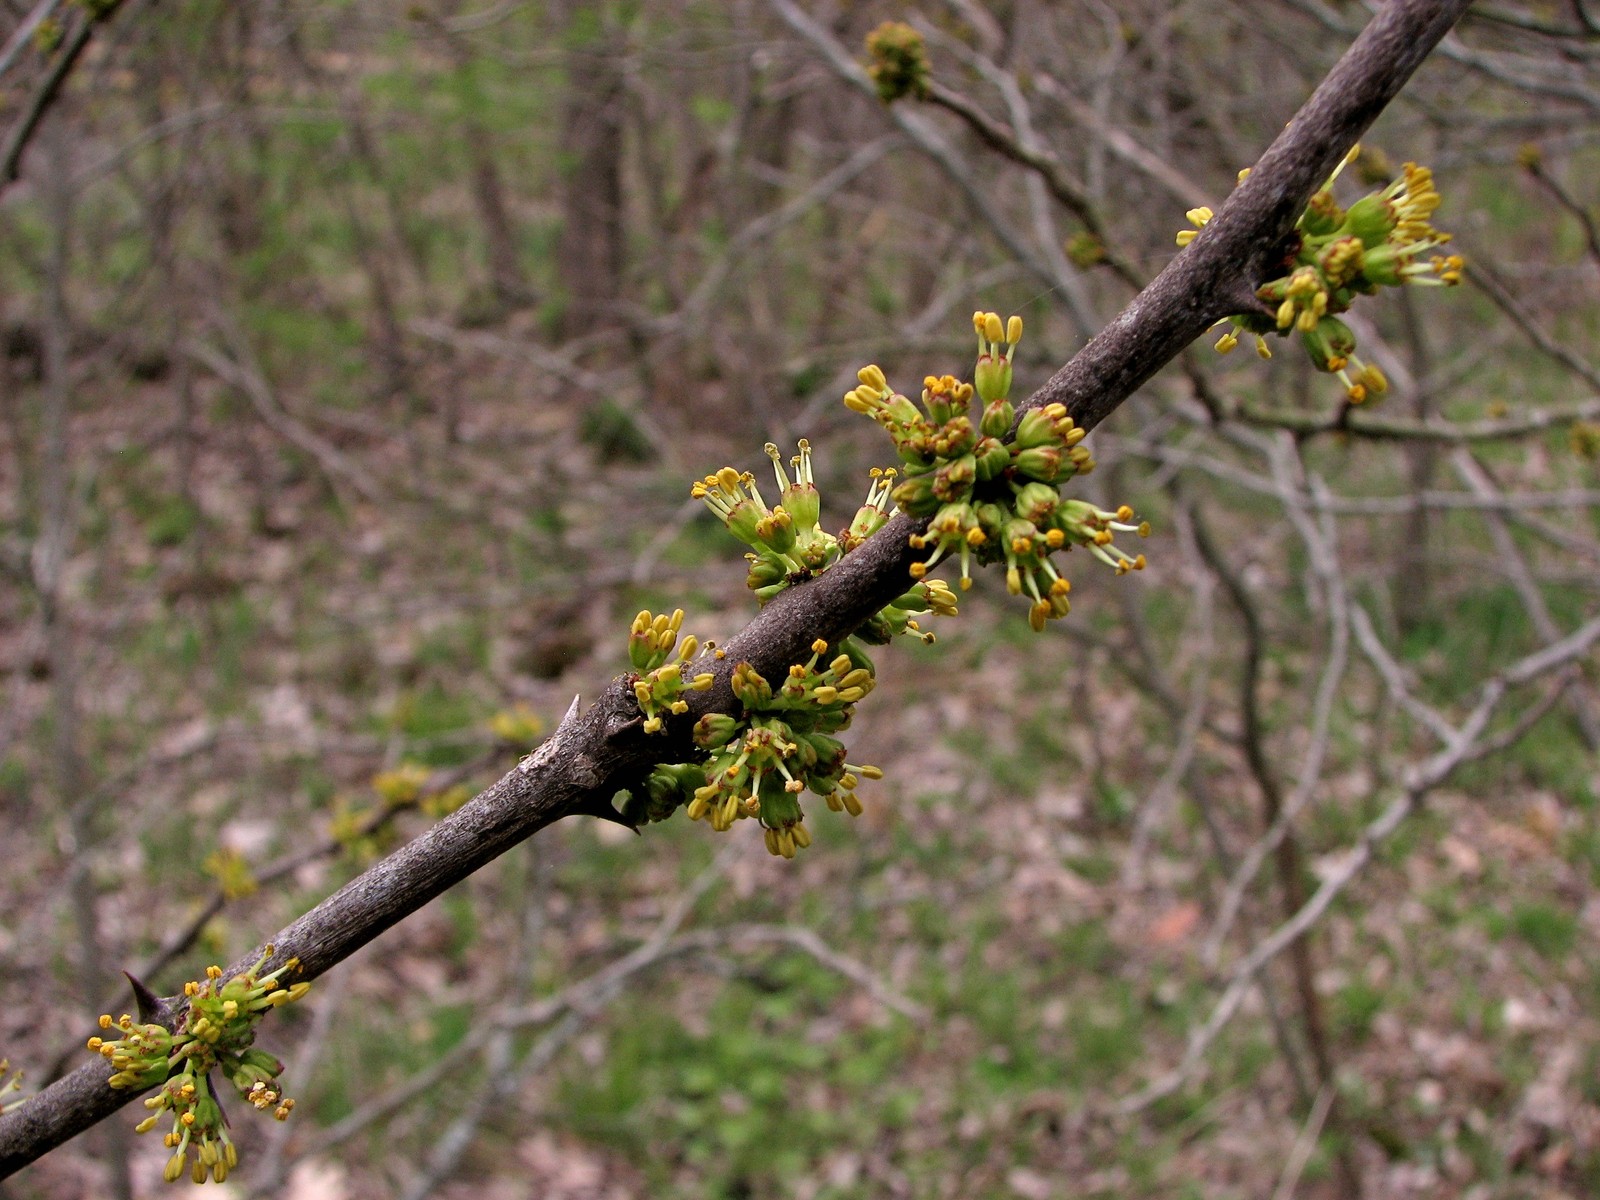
point(594, 753)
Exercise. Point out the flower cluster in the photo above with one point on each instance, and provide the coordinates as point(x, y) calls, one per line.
point(899, 62)
point(787, 542)
point(218, 1033)
point(991, 492)
point(1382, 240)
point(660, 686)
point(781, 745)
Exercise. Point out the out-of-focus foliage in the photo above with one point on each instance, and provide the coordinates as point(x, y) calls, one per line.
point(354, 363)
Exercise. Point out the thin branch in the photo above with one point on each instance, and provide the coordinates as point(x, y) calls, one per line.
point(508, 1067)
point(47, 89)
point(1487, 278)
point(1585, 219)
point(1464, 744)
point(1305, 1144)
point(1025, 151)
point(1510, 557)
point(23, 33)
point(246, 375)
point(932, 143)
point(1370, 426)
point(1319, 545)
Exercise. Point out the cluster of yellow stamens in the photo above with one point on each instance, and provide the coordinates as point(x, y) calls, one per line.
point(991, 491)
point(1382, 240)
point(217, 1034)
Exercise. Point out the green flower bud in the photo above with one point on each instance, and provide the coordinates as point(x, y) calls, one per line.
point(1340, 261)
point(831, 720)
point(1371, 219)
point(992, 378)
point(1020, 538)
point(1330, 344)
point(765, 568)
point(1039, 462)
point(1384, 266)
point(915, 495)
point(1036, 502)
point(779, 808)
point(776, 530)
point(752, 690)
point(993, 458)
point(799, 496)
point(715, 730)
point(1037, 428)
point(876, 630)
point(901, 411)
point(1322, 216)
point(997, 418)
point(827, 753)
point(671, 785)
point(1273, 293)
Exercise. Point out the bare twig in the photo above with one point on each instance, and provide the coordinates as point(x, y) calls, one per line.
point(1300, 1154)
point(246, 375)
point(23, 33)
point(1510, 557)
point(1318, 540)
point(1463, 744)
